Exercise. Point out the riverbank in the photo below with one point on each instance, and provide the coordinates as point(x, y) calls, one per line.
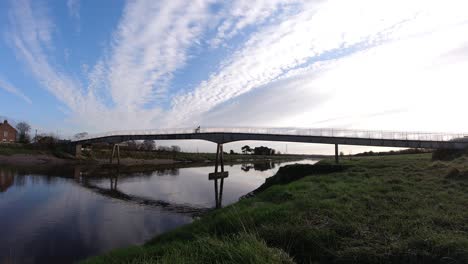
point(394, 209)
point(19, 155)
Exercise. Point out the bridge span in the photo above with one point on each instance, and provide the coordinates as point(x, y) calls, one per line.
point(337, 137)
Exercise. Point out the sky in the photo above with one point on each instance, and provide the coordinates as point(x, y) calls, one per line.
point(80, 65)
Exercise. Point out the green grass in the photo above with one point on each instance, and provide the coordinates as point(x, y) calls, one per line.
point(395, 209)
point(238, 248)
point(58, 150)
point(12, 149)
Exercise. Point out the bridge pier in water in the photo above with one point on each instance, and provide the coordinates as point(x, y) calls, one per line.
point(115, 150)
point(219, 163)
point(336, 154)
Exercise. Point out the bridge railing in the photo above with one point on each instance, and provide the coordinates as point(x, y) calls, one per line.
point(322, 132)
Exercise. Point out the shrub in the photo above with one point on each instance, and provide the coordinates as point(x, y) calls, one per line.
point(447, 154)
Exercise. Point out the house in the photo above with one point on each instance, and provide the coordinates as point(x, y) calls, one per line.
point(8, 134)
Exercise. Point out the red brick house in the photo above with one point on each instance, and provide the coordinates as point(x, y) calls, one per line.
point(8, 134)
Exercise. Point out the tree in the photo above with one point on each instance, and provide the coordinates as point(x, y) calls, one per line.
point(246, 149)
point(80, 135)
point(148, 145)
point(164, 149)
point(23, 129)
point(175, 148)
point(266, 151)
point(47, 139)
point(132, 145)
point(232, 152)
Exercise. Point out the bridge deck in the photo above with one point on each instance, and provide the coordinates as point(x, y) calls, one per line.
point(303, 135)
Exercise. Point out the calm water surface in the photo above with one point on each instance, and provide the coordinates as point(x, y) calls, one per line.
point(61, 215)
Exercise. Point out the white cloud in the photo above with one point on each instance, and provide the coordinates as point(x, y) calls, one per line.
point(318, 30)
point(238, 15)
point(31, 36)
point(152, 42)
point(13, 90)
point(402, 85)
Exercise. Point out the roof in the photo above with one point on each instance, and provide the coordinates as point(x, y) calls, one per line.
point(6, 124)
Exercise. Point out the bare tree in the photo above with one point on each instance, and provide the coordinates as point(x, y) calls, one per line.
point(23, 129)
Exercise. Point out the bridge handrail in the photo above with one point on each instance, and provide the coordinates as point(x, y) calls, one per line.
point(323, 132)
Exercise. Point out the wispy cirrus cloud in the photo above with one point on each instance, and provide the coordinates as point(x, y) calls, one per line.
point(5, 85)
point(401, 85)
point(238, 15)
point(151, 42)
point(31, 37)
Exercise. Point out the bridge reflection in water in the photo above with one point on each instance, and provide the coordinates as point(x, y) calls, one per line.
point(83, 179)
point(114, 193)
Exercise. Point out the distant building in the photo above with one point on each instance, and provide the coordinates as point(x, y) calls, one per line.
point(8, 134)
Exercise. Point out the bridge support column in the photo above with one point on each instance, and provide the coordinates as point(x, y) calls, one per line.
point(115, 150)
point(78, 150)
point(219, 163)
point(336, 154)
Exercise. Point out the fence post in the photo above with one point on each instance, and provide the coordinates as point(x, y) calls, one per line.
point(336, 154)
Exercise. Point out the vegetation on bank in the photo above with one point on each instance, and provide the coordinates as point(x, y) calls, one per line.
point(56, 150)
point(105, 153)
point(392, 209)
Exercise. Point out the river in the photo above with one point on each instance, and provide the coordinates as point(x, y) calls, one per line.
point(61, 215)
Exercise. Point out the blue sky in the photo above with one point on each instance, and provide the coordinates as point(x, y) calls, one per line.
point(95, 66)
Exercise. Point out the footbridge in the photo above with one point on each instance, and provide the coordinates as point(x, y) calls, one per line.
point(336, 137)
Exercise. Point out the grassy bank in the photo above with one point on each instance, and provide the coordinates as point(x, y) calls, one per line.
point(396, 209)
point(56, 150)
